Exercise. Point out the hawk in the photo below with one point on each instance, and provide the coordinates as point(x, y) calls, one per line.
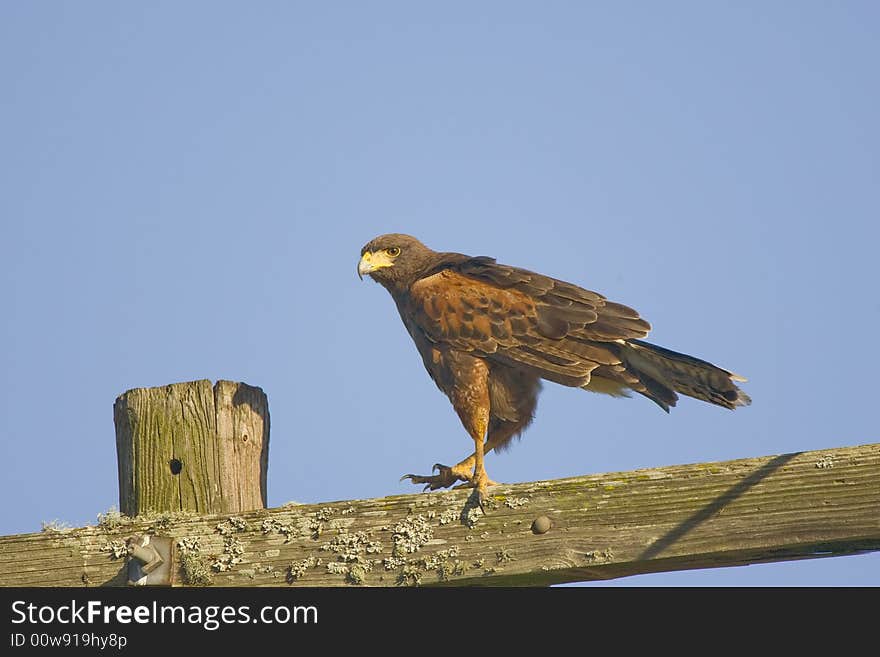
point(489, 333)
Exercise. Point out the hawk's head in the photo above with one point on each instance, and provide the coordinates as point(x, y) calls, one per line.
point(395, 260)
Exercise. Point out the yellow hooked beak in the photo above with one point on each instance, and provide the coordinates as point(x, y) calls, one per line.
point(370, 262)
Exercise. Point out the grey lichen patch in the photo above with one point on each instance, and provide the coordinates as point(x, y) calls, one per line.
point(298, 568)
point(189, 545)
point(336, 568)
point(350, 546)
point(117, 549)
point(431, 562)
point(232, 525)
point(408, 537)
point(233, 549)
point(356, 573)
point(290, 530)
point(447, 570)
point(323, 515)
point(448, 516)
point(56, 525)
point(445, 563)
point(151, 521)
point(351, 552)
point(410, 575)
point(516, 502)
point(410, 534)
point(503, 555)
point(600, 556)
point(112, 519)
point(393, 563)
point(319, 519)
point(161, 524)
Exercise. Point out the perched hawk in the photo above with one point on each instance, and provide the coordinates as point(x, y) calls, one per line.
point(488, 333)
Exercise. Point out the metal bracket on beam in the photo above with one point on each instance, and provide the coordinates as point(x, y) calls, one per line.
point(149, 560)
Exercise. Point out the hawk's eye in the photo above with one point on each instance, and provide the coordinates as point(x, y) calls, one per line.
point(393, 251)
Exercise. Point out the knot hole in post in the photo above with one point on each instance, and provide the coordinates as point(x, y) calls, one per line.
point(176, 466)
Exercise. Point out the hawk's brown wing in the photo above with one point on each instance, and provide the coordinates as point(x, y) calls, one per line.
point(553, 329)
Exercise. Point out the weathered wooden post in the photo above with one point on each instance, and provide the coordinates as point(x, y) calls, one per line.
point(192, 447)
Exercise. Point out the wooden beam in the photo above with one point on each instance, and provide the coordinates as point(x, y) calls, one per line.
point(773, 508)
point(192, 447)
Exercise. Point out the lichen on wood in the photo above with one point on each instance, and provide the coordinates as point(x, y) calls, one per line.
point(599, 526)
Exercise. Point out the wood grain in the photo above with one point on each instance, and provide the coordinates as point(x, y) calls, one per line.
point(192, 447)
point(773, 508)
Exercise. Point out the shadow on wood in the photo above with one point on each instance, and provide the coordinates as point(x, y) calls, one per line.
point(716, 506)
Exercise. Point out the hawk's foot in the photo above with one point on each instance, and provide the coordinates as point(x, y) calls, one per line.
point(446, 476)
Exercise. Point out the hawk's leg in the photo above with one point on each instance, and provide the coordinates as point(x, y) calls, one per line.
point(466, 381)
point(480, 481)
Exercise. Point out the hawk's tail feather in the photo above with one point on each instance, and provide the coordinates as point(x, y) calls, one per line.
point(664, 372)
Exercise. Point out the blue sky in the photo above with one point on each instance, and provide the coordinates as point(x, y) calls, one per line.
point(186, 188)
